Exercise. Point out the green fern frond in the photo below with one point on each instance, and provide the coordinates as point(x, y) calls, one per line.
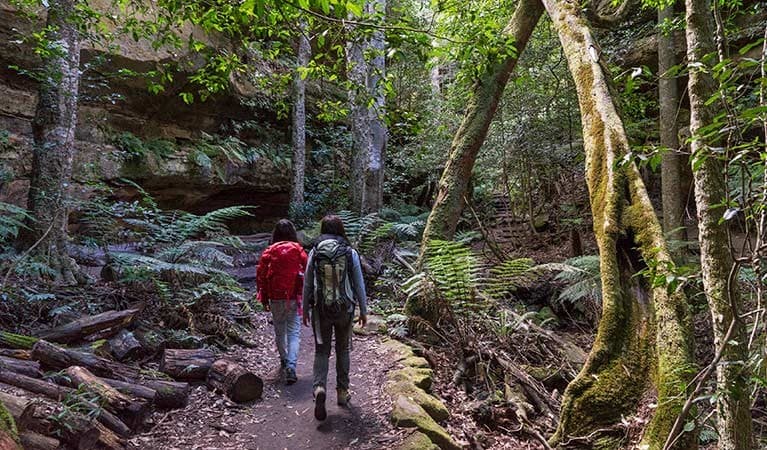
point(583, 286)
point(511, 275)
point(467, 237)
point(148, 263)
point(456, 272)
point(12, 220)
point(201, 251)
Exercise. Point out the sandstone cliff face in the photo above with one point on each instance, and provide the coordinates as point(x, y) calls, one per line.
point(110, 106)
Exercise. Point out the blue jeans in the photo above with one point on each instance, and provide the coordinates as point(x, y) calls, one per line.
point(287, 330)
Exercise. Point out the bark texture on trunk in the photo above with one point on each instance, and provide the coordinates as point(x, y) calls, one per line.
point(643, 338)
point(234, 381)
point(367, 110)
point(54, 135)
point(299, 119)
point(671, 165)
point(28, 368)
point(190, 365)
point(132, 412)
point(481, 107)
point(79, 329)
point(733, 403)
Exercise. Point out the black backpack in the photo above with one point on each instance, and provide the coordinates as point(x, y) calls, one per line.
point(333, 289)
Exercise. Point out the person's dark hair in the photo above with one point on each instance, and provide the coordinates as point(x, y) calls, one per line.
point(332, 224)
point(284, 231)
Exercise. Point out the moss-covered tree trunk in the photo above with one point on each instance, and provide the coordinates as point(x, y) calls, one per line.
point(643, 339)
point(668, 101)
point(299, 119)
point(733, 402)
point(481, 107)
point(54, 138)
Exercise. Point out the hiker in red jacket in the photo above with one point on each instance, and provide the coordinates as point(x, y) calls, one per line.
point(280, 282)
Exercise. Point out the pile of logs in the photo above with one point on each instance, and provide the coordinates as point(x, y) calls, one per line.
point(98, 401)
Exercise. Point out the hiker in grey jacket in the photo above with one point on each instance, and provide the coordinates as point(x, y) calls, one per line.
point(333, 289)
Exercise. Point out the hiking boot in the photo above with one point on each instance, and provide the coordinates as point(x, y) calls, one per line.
point(319, 403)
point(290, 376)
point(283, 364)
point(343, 397)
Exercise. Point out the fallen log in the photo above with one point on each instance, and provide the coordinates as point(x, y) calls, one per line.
point(187, 364)
point(76, 431)
point(59, 393)
point(170, 394)
point(77, 330)
point(124, 345)
point(57, 358)
point(103, 334)
point(131, 389)
point(234, 381)
point(162, 394)
point(35, 441)
point(17, 341)
point(131, 412)
point(16, 353)
point(28, 368)
point(34, 385)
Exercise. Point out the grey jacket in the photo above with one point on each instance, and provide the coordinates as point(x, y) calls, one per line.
point(358, 284)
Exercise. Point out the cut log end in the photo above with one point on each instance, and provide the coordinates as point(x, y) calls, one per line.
point(234, 381)
point(248, 387)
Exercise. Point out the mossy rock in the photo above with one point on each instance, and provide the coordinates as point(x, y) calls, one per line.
point(400, 351)
point(375, 324)
point(418, 441)
point(431, 404)
point(407, 414)
point(416, 361)
point(419, 377)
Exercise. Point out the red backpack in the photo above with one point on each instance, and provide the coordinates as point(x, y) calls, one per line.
point(280, 270)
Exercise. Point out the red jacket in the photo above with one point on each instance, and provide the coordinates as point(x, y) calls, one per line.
point(279, 275)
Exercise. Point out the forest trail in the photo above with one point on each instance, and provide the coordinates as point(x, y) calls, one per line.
point(284, 417)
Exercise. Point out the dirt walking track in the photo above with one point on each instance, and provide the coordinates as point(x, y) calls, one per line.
point(284, 417)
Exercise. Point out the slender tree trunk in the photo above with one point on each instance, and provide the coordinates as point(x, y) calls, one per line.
point(481, 107)
point(374, 167)
point(366, 97)
point(671, 165)
point(643, 330)
point(719, 279)
point(299, 120)
point(54, 135)
point(359, 117)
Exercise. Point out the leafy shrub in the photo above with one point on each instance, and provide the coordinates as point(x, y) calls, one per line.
point(134, 148)
point(180, 257)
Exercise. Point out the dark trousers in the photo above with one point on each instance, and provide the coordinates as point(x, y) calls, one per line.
point(324, 328)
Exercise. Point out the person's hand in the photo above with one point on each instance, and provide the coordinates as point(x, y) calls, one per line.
point(267, 307)
point(306, 318)
point(363, 320)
